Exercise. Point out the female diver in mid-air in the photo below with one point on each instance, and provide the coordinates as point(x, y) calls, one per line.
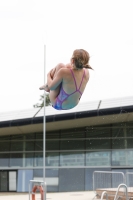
point(66, 83)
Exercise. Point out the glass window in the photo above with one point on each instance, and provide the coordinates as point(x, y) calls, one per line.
point(52, 159)
point(38, 159)
point(16, 160)
point(39, 146)
point(4, 146)
point(4, 159)
point(17, 137)
point(130, 157)
point(129, 144)
point(119, 158)
point(118, 130)
point(5, 138)
point(73, 133)
point(98, 158)
point(16, 146)
point(98, 132)
point(29, 146)
point(52, 145)
point(130, 132)
point(72, 144)
point(29, 158)
point(4, 181)
point(129, 127)
point(130, 124)
point(39, 136)
point(118, 143)
point(30, 136)
point(98, 144)
point(72, 159)
point(52, 135)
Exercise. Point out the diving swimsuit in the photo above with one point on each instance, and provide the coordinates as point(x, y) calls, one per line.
point(63, 95)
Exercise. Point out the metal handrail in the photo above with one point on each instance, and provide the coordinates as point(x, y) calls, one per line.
point(121, 185)
point(107, 172)
point(104, 193)
point(128, 173)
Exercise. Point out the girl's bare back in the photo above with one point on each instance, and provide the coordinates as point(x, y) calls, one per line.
point(74, 84)
point(68, 82)
point(71, 89)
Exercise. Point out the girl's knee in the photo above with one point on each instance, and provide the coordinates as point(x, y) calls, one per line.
point(60, 65)
point(54, 71)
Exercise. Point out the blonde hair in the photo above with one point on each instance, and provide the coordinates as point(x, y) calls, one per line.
point(81, 59)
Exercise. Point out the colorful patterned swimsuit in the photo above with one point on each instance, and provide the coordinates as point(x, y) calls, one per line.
point(63, 96)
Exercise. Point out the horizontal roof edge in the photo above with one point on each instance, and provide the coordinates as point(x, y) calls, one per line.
point(67, 116)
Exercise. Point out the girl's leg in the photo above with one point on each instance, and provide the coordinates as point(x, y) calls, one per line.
point(54, 93)
point(53, 73)
point(45, 87)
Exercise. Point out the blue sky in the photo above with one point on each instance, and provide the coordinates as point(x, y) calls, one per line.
point(103, 28)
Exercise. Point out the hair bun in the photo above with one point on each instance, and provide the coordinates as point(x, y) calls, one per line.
point(81, 58)
point(78, 63)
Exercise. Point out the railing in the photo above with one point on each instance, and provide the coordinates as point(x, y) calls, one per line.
point(129, 181)
point(107, 179)
point(103, 194)
point(118, 189)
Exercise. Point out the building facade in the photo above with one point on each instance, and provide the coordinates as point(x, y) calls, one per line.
point(94, 136)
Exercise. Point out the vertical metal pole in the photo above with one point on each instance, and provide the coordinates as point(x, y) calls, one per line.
point(44, 130)
point(29, 190)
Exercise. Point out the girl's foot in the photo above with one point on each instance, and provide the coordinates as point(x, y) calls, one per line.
point(45, 87)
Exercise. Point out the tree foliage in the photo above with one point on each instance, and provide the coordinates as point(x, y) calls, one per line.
point(41, 104)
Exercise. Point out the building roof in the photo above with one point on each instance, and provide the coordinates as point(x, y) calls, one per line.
point(81, 107)
point(94, 110)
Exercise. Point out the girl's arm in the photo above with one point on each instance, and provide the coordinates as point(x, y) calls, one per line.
point(54, 83)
